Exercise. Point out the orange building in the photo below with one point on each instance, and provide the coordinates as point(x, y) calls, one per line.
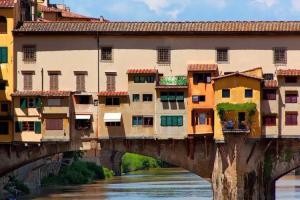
point(201, 98)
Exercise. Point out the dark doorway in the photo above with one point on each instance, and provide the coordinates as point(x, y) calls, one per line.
point(242, 118)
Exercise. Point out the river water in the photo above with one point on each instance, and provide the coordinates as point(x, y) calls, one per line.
point(162, 184)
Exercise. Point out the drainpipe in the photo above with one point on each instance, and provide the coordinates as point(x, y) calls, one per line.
point(42, 75)
point(98, 75)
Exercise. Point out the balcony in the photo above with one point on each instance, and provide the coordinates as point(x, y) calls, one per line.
point(170, 82)
point(236, 118)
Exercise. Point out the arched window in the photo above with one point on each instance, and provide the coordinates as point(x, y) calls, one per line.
point(3, 25)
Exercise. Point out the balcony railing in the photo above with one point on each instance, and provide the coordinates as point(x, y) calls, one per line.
point(230, 126)
point(173, 81)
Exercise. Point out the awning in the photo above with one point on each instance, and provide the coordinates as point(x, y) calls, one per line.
point(112, 117)
point(82, 116)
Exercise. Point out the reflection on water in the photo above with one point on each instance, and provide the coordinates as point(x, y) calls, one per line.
point(154, 184)
point(163, 184)
point(288, 188)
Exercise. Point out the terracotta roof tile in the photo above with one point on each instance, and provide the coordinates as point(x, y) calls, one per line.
point(142, 71)
point(237, 74)
point(201, 27)
point(42, 93)
point(203, 67)
point(7, 3)
point(106, 93)
point(270, 84)
point(288, 72)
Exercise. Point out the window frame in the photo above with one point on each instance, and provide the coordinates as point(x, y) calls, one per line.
point(291, 79)
point(115, 101)
point(3, 24)
point(102, 56)
point(218, 49)
point(280, 62)
point(160, 59)
point(268, 95)
point(226, 96)
point(112, 124)
point(3, 51)
point(290, 121)
point(135, 99)
point(248, 95)
point(59, 124)
point(29, 55)
point(270, 120)
point(291, 97)
point(147, 99)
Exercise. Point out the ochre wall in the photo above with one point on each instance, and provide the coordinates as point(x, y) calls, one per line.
point(237, 86)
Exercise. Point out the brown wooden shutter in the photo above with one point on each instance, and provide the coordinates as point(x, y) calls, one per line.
point(80, 82)
point(27, 81)
point(53, 81)
point(54, 124)
point(111, 82)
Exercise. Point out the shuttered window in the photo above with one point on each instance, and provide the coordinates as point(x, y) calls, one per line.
point(80, 82)
point(110, 82)
point(3, 55)
point(27, 81)
point(29, 53)
point(3, 25)
point(54, 124)
point(171, 121)
point(53, 81)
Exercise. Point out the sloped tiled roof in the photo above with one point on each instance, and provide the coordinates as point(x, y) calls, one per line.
point(106, 93)
point(42, 93)
point(6, 3)
point(201, 27)
point(203, 67)
point(270, 84)
point(288, 72)
point(142, 71)
point(237, 74)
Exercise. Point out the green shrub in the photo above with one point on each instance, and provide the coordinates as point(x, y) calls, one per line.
point(14, 185)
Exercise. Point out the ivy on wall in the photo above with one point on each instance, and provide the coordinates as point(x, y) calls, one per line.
point(250, 108)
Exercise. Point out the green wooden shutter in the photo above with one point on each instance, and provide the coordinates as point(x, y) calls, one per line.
point(3, 55)
point(23, 103)
point(180, 96)
point(38, 102)
point(169, 120)
point(180, 120)
point(172, 96)
point(37, 127)
point(174, 121)
point(163, 121)
point(18, 127)
point(163, 96)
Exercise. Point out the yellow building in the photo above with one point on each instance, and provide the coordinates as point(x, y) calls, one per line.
point(6, 73)
point(237, 104)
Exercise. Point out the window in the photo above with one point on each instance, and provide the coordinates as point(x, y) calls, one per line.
point(147, 97)
point(269, 120)
point(142, 121)
point(84, 99)
point(248, 93)
point(269, 94)
point(27, 79)
point(30, 102)
point(222, 55)
point(291, 79)
point(163, 55)
point(148, 121)
point(4, 128)
point(54, 124)
point(53, 81)
point(4, 107)
point(137, 120)
point(83, 124)
point(202, 118)
point(280, 55)
point(106, 53)
point(171, 121)
point(291, 118)
point(112, 101)
point(3, 84)
point(111, 82)
point(172, 96)
point(143, 79)
point(29, 53)
point(291, 97)
point(201, 78)
point(54, 102)
point(80, 82)
point(227, 73)
point(3, 25)
point(198, 98)
point(268, 76)
point(135, 97)
point(112, 123)
point(28, 126)
point(226, 93)
point(3, 55)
